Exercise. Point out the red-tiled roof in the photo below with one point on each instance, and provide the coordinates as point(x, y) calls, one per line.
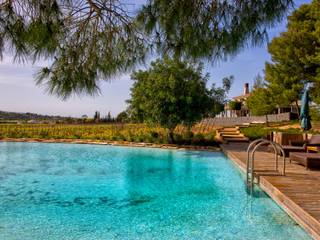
point(245, 96)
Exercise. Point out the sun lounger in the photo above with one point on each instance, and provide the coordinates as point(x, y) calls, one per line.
point(290, 142)
point(295, 143)
point(314, 140)
point(289, 148)
point(306, 159)
point(289, 138)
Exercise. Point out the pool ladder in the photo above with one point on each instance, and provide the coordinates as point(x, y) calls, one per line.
point(252, 148)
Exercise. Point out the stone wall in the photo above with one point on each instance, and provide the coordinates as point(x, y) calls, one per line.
point(237, 121)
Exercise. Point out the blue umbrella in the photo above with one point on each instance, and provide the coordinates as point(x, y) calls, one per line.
point(304, 112)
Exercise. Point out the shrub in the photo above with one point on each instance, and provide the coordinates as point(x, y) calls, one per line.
point(255, 132)
point(178, 139)
point(315, 114)
point(154, 134)
point(233, 105)
point(198, 139)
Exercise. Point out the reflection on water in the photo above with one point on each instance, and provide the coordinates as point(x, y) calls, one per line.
point(61, 191)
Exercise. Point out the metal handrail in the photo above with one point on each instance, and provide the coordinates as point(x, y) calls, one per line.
point(249, 162)
point(248, 154)
point(250, 158)
point(279, 147)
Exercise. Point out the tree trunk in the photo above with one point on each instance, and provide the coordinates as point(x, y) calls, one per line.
point(267, 122)
point(170, 136)
point(298, 110)
point(189, 130)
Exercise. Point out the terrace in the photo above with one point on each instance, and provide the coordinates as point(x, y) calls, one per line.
point(298, 192)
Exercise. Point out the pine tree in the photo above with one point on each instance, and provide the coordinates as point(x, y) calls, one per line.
point(296, 57)
point(92, 40)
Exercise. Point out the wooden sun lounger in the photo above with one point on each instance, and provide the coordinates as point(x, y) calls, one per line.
point(288, 149)
point(306, 159)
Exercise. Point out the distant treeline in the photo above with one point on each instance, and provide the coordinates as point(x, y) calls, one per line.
point(27, 116)
point(15, 117)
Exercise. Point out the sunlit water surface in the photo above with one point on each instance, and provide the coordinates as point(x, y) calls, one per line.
point(70, 191)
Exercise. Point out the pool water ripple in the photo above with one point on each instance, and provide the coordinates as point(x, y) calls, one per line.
point(71, 191)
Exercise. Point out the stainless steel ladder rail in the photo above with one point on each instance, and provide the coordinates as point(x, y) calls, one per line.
point(249, 177)
point(252, 148)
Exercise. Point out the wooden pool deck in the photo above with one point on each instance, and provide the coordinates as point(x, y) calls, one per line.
point(298, 192)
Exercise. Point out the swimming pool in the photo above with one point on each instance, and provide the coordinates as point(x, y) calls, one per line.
point(71, 191)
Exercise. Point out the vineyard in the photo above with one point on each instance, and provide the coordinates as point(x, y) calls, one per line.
point(108, 132)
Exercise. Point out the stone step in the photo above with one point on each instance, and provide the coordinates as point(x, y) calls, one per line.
point(242, 139)
point(232, 135)
point(228, 129)
point(229, 133)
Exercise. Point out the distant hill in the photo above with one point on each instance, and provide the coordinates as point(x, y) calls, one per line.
point(27, 116)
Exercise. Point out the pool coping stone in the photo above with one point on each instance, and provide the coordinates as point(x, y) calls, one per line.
point(115, 143)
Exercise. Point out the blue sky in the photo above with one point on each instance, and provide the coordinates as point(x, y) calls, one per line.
point(18, 92)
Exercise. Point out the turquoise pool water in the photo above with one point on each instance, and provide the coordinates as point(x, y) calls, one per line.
point(70, 191)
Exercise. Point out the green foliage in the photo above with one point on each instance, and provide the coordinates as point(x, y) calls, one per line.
point(296, 56)
point(198, 139)
point(257, 132)
point(219, 94)
point(258, 82)
point(261, 102)
point(109, 118)
point(315, 114)
point(233, 105)
point(210, 29)
point(88, 41)
point(122, 117)
point(171, 92)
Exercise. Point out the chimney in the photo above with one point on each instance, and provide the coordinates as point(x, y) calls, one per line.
point(246, 88)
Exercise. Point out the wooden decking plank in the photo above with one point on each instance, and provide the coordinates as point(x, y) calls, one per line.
point(298, 192)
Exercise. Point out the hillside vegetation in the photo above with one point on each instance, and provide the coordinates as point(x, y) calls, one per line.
point(4, 115)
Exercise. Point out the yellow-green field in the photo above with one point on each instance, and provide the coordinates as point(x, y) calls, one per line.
point(107, 132)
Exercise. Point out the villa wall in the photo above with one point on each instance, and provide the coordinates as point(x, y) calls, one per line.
point(234, 121)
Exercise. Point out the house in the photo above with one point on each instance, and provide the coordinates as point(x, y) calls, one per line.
point(237, 106)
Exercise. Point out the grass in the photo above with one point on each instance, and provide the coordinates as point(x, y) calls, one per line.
point(105, 132)
point(262, 131)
